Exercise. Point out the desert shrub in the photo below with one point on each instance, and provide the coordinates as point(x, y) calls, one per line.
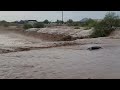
point(105, 27)
point(46, 21)
point(27, 26)
point(70, 22)
point(101, 30)
point(39, 25)
point(112, 20)
point(76, 23)
point(4, 23)
point(36, 25)
point(89, 23)
point(58, 22)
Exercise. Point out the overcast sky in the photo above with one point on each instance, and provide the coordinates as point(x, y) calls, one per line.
point(51, 15)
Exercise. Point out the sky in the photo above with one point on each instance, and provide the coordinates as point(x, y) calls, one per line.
point(51, 15)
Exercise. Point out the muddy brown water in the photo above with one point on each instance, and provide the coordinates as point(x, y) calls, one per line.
point(62, 63)
point(65, 62)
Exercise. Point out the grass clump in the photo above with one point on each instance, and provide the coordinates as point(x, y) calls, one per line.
point(27, 26)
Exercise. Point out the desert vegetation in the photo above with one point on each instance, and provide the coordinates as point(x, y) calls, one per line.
point(106, 26)
point(101, 28)
point(36, 25)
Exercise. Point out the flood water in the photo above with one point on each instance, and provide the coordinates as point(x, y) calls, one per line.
point(66, 62)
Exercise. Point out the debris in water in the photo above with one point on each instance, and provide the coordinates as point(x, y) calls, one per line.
point(94, 48)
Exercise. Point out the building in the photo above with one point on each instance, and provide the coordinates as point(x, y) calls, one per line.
point(32, 22)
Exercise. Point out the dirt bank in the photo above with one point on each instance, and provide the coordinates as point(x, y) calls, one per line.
point(11, 41)
point(60, 33)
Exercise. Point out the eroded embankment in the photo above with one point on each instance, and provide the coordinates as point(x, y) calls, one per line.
point(60, 33)
point(15, 40)
point(12, 41)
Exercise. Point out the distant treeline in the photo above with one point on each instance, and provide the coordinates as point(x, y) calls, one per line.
point(101, 27)
point(69, 22)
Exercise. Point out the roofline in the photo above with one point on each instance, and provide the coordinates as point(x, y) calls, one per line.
point(31, 20)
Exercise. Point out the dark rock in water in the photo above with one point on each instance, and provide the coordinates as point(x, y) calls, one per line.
point(94, 48)
point(4, 51)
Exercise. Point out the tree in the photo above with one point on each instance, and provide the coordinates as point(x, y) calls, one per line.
point(105, 27)
point(59, 21)
point(70, 21)
point(88, 22)
point(111, 19)
point(46, 21)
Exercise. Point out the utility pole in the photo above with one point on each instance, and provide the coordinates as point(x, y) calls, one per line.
point(62, 17)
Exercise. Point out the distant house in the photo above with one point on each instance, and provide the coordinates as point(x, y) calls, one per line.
point(32, 22)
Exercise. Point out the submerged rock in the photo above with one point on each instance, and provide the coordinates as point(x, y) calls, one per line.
point(94, 48)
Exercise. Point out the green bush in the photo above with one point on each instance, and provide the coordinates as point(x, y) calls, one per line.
point(27, 26)
point(101, 30)
point(76, 23)
point(59, 21)
point(6, 24)
point(46, 21)
point(38, 25)
point(112, 19)
point(89, 23)
point(105, 27)
point(70, 22)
